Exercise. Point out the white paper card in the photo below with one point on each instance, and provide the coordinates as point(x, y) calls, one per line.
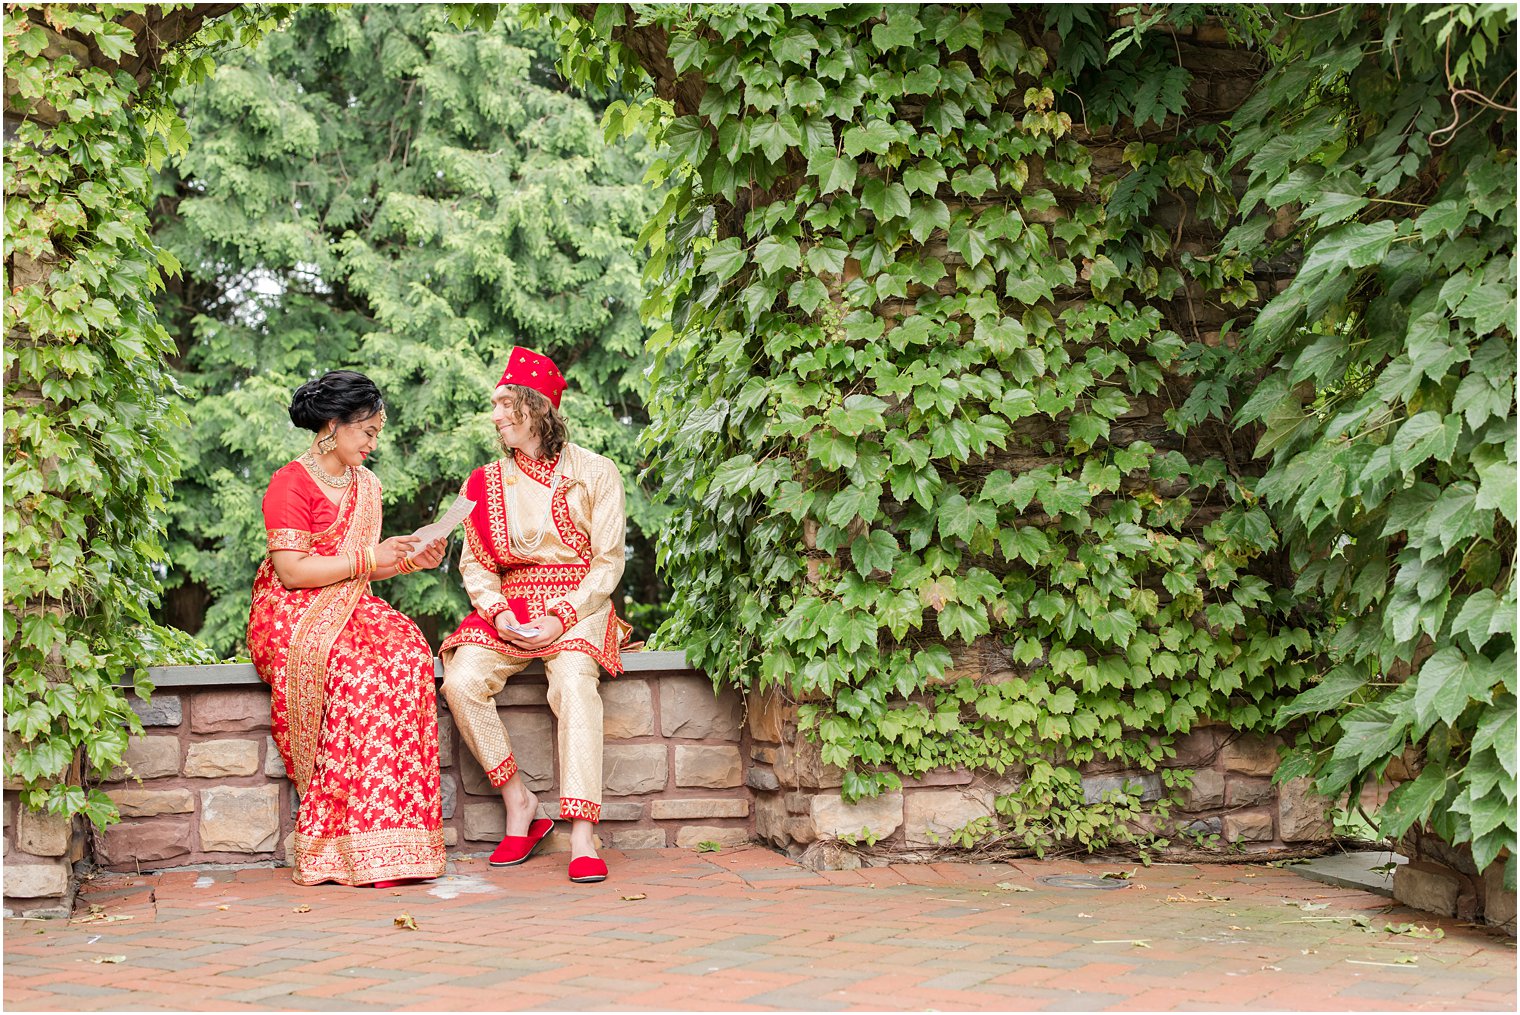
point(440, 529)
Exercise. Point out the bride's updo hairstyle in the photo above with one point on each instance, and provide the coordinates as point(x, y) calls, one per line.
point(343, 395)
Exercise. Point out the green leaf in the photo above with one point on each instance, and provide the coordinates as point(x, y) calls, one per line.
point(1445, 685)
point(1412, 802)
point(926, 217)
point(876, 136)
point(1443, 217)
point(837, 173)
point(724, 259)
point(900, 29)
point(886, 200)
point(874, 551)
point(777, 253)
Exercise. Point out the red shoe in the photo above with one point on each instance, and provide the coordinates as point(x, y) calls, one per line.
point(586, 869)
point(514, 849)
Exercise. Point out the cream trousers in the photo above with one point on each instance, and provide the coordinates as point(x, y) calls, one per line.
point(473, 676)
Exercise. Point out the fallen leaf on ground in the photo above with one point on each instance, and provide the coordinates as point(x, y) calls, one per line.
point(1009, 886)
point(111, 959)
point(302, 908)
point(1138, 942)
point(223, 907)
point(708, 847)
point(635, 898)
point(405, 920)
point(1415, 930)
point(1117, 875)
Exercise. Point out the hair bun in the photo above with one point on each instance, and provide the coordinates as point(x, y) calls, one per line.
point(344, 395)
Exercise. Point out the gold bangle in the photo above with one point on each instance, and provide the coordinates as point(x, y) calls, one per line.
point(369, 560)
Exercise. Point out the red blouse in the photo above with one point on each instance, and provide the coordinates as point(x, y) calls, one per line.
point(295, 509)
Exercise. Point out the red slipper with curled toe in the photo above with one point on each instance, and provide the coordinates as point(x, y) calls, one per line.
point(586, 869)
point(514, 849)
point(399, 882)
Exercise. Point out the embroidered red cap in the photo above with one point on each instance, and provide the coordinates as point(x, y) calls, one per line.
point(532, 370)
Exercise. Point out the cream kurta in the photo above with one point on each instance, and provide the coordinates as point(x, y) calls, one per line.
point(572, 570)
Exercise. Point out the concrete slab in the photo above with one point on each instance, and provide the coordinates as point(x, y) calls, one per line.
point(1365, 869)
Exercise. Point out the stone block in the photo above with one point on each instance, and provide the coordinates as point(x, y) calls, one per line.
point(240, 819)
point(622, 810)
point(1249, 754)
point(486, 822)
point(939, 777)
point(930, 817)
point(1248, 791)
point(666, 810)
point(229, 712)
point(1204, 826)
point(762, 780)
point(274, 765)
point(147, 803)
point(147, 758)
point(768, 713)
point(1206, 792)
point(449, 790)
point(763, 754)
point(1148, 786)
point(1197, 749)
point(288, 848)
point(639, 838)
point(631, 769)
point(770, 818)
point(802, 764)
point(1248, 826)
point(1498, 901)
point(158, 710)
point(1302, 814)
point(129, 842)
point(690, 710)
point(798, 803)
point(445, 739)
point(879, 816)
point(532, 738)
point(692, 836)
point(42, 833)
point(709, 767)
point(36, 880)
point(1431, 887)
point(451, 836)
point(524, 693)
point(627, 709)
point(212, 759)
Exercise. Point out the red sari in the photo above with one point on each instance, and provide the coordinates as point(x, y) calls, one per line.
point(352, 697)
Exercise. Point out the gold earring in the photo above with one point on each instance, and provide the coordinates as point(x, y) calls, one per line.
point(326, 444)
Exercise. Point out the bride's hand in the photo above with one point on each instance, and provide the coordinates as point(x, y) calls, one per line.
point(431, 555)
point(393, 551)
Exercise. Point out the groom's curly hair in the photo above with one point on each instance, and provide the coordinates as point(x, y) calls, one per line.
point(548, 425)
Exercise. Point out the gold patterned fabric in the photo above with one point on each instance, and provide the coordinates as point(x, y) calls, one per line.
point(570, 574)
point(474, 675)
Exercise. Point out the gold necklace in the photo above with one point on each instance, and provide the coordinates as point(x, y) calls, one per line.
point(321, 475)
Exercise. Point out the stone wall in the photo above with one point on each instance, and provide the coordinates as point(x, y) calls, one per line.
point(205, 783)
point(40, 851)
point(798, 801)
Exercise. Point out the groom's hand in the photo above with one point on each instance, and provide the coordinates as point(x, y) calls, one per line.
point(548, 629)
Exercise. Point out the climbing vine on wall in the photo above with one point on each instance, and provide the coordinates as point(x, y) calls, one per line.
point(1385, 377)
point(917, 384)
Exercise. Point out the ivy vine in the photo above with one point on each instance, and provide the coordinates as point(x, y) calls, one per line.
point(915, 391)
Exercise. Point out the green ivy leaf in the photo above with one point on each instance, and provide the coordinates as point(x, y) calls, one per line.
point(876, 550)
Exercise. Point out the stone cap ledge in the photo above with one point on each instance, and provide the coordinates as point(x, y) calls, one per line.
point(244, 675)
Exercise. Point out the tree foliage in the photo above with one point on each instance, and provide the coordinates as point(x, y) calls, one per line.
point(924, 331)
point(375, 189)
point(1385, 376)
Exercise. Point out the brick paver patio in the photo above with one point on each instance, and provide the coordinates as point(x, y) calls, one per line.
point(745, 929)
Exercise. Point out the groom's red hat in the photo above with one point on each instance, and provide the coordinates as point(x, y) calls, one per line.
point(536, 371)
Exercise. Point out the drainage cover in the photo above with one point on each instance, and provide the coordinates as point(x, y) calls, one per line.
point(1082, 881)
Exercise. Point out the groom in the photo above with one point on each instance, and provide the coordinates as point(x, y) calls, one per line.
point(542, 555)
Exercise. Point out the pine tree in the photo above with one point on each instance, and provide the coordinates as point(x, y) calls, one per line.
point(374, 189)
